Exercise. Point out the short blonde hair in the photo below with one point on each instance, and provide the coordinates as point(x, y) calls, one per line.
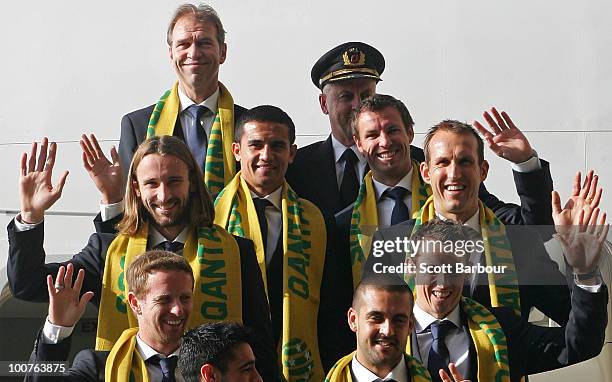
point(137, 273)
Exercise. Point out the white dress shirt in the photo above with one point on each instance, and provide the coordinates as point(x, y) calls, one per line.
point(339, 149)
point(274, 217)
point(206, 119)
point(457, 340)
point(384, 204)
point(53, 334)
point(399, 372)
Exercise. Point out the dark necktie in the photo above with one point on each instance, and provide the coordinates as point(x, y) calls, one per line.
point(400, 210)
point(167, 366)
point(438, 354)
point(171, 246)
point(260, 207)
point(350, 184)
point(195, 135)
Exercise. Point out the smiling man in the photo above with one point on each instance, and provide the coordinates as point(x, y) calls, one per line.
point(166, 207)
point(454, 168)
point(491, 344)
point(198, 109)
point(381, 316)
point(160, 291)
point(308, 289)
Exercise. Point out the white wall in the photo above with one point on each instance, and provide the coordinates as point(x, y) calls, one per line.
point(72, 66)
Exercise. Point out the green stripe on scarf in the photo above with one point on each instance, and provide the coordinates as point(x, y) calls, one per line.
point(364, 219)
point(503, 288)
point(214, 257)
point(341, 371)
point(220, 164)
point(304, 243)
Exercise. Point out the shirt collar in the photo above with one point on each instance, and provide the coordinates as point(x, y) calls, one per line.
point(423, 319)
point(339, 149)
point(473, 222)
point(155, 238)
point(362, 374)
point(211, 102)
point(380, 188)
point(274, 197)
point(147, 352)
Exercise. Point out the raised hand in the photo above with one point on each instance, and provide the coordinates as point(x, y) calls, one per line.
point(456, 375)
point(65, 307)
point(582, 244)
point(504, 139)
point(586, 198)
point(36, 192)
point(107, 176)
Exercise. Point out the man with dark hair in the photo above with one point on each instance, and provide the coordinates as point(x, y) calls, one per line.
point(219, 351)
point(198, 109)
point(394, 191)
point(308, 285)
point(160, 290)
point(346, 75)
point(488, 344)
point(167, 207)
point(381, 316)
point(454, 170)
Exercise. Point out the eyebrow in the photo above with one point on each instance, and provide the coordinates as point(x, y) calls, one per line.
point(247, 364)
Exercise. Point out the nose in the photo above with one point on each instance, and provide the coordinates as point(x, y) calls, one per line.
point(265, 153)
point(355, 102)
point(257, 377)
point(453, 170)
point(177, 309)
point(386, 328)
point(163, 192)
point(193, 50)
point(384, 139)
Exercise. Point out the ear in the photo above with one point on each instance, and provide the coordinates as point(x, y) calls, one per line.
point(207, 373)
point(411, 323)
point(424, 168)
point(410, 132)
point(223, 53)
point(323, 103)
point(170, 54)
point(352, 319)
point(484, 170)
point(136, 188)
point(236, 151)
point(134, 304)
point(292, 152)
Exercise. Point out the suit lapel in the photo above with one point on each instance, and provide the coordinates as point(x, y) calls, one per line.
point(327, 177)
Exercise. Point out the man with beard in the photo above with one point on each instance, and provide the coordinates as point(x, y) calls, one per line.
point(160, 291)
point(167, 207)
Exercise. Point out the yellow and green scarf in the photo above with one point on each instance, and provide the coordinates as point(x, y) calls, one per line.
point(503, 288)
point(364, 219)
point(214, 257)
point(124, 363)
point(341, 371)
point(220, 164)
point(490, 342)
point(304, 242)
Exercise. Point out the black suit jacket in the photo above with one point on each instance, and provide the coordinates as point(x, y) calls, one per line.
point(88, 365)
point(541, 285)
point(316, 162)
point(534, 349)
point(134, 131)
point(27, 274)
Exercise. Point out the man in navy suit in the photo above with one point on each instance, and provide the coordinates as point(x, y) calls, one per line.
point(160, 293)
point(197, 48)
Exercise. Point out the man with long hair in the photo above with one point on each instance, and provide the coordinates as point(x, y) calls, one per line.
point(167, 207)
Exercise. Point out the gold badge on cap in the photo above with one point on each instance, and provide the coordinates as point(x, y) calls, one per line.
point(353, 57)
